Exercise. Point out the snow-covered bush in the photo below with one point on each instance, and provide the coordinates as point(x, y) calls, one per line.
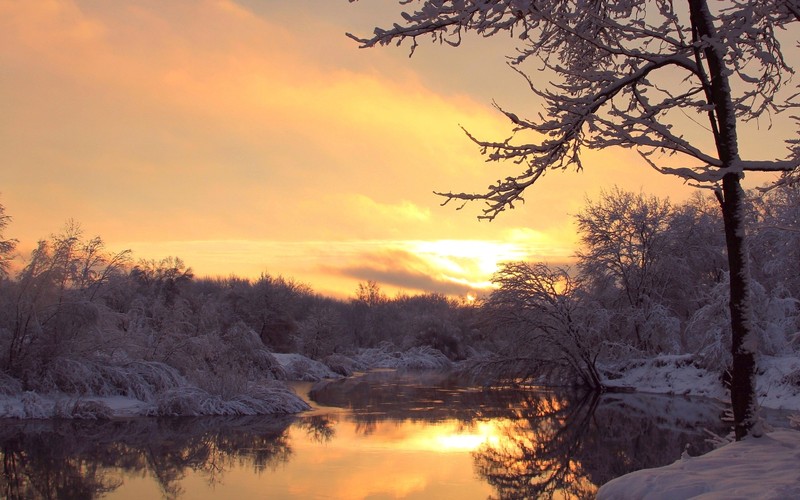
point(423, 358)
point(437, 332)
point(777, 319)
point(415, 358)
point(256, 400)
point(141, 380)
point(9, 385)
point(343, 365)
point(318, 334)
point(34, 406)
point(82, 409)
point(299, 367)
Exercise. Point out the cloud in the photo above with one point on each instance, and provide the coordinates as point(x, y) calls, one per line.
point(201, 120)
point(243, 140)
point(401, 270)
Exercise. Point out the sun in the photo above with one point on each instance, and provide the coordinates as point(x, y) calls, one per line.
point(470, 262)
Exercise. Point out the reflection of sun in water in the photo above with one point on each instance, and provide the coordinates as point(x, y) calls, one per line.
point(460, 442)
point(454, 438)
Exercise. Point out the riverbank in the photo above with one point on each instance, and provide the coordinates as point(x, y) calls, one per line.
point(763, 468)
point(777, 382)
point(778, 386)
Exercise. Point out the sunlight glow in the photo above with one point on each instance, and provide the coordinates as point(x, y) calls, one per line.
point(455, 437)
point(468, 262)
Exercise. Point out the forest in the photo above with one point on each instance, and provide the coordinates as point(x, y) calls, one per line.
point(79, 324)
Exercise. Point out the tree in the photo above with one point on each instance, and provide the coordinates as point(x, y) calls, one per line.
point(549, 305)
point(628, 74)
point(623, 236)
point(6, 246)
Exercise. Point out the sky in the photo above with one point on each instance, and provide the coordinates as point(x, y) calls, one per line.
point(253, 136)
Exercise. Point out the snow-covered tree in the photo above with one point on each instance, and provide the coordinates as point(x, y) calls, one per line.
point(557, 326)
point(6, 246)
point(629, 73)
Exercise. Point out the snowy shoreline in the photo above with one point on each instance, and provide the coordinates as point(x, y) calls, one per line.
point(675, 375)
point(181, 398)
point(755, 468)
point(764, 467)
point(777, 383)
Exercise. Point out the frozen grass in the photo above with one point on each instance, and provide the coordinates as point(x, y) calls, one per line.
point(71, 388)
point(258, 400)
point(302, 368)
point(140, 380)
point(343, 365)
point(415, 358)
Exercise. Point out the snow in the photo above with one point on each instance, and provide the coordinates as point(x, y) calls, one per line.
point(777, 382)
point(669, 374)
point(256, 399)
point(304, 369)
point(415, 358)
point(755, 468)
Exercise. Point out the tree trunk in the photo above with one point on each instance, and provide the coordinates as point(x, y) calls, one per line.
point(723, 123)
point(743, 341)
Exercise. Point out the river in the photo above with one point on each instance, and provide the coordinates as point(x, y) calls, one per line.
point(378, 435)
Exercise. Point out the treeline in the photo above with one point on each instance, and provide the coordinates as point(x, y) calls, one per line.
point(80, 320)
point(650, 279)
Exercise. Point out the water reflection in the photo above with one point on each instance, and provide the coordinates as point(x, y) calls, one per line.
point(540, 443)
point(74, 459)
point(387, 438)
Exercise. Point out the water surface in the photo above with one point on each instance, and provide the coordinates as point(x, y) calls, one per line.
point(380, 435)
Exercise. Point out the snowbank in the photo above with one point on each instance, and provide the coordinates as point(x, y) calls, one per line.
point(777, 382)
point(667, 374)
point(304, 369)
point(764, 468)
point(415, 358)
point(257, 399)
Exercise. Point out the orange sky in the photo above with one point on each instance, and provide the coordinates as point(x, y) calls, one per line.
point(253, 136)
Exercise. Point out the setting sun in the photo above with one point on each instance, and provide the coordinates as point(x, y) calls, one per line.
point(228, 135)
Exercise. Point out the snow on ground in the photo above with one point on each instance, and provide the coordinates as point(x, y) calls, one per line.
point(755, 468)
point(258, 399)
point(415, 358)
point(777, 384)
point(304, 369)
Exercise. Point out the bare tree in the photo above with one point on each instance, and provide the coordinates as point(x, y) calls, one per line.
point(623, 236)
point(548, 305)
point(623, 73)
point(6, 246)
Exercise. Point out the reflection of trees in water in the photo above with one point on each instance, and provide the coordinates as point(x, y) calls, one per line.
point(74, 459)
point(539, 455)
point(557, 446)
point(319, 428)
point(426, 396)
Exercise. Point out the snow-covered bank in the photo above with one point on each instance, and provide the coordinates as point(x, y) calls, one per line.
point(777, 383)
point(763, 468)
point(155, 389)
point(262, 399)
point(304, 369)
